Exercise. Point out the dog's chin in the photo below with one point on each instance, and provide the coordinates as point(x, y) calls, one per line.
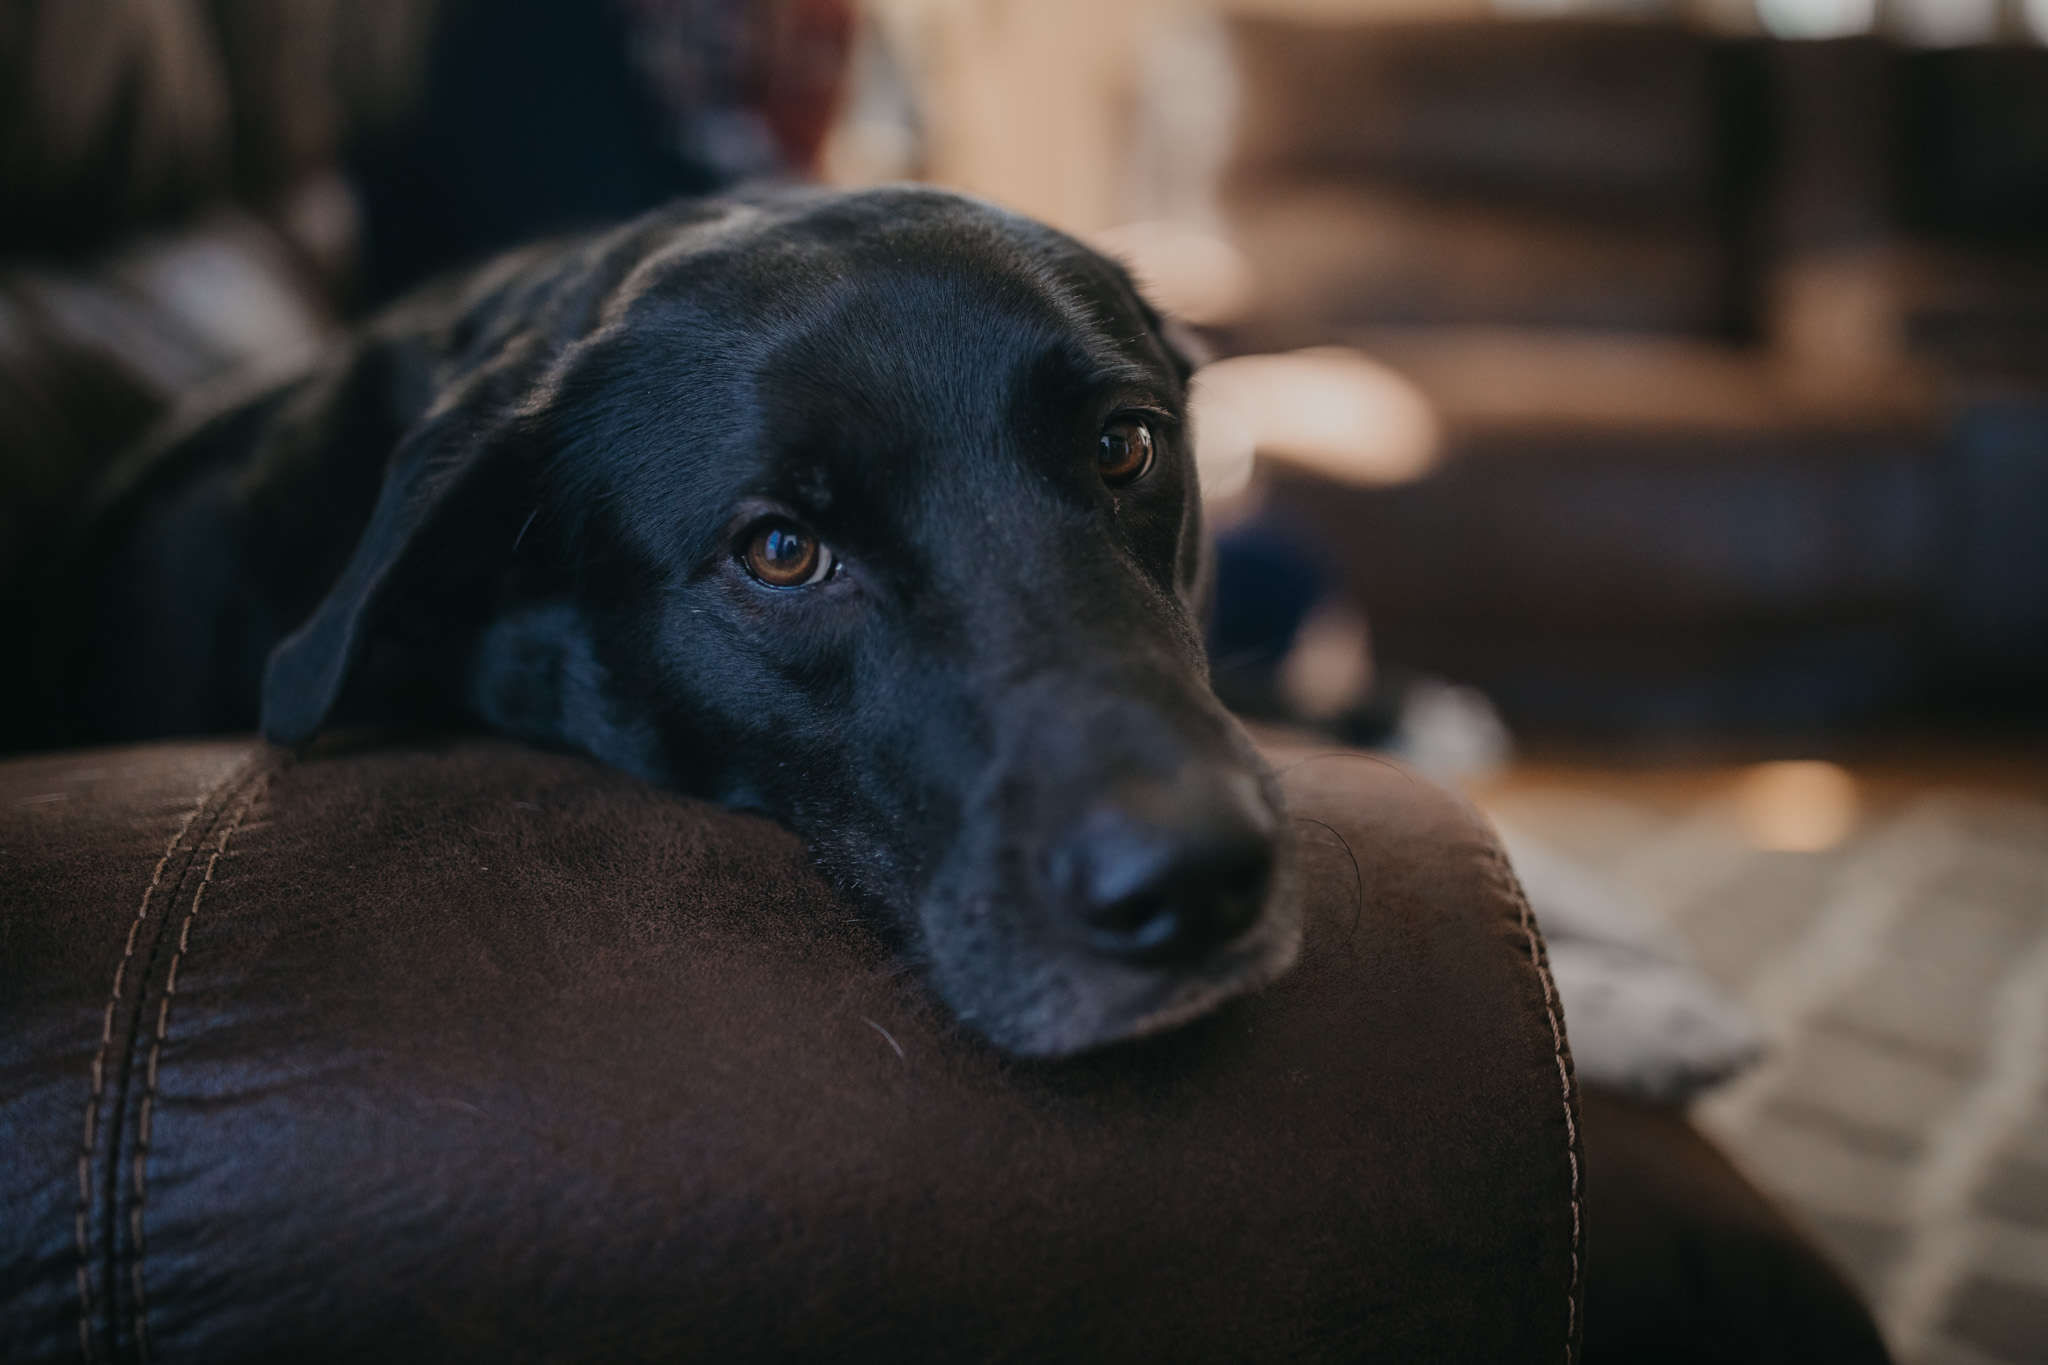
point(1057, 999)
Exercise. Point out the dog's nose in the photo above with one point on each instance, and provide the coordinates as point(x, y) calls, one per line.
point(1163, 874)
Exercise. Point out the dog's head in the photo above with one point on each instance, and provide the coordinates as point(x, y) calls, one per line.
point(875, 512)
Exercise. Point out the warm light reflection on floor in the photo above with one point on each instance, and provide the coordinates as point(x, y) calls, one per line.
point(1796, 807)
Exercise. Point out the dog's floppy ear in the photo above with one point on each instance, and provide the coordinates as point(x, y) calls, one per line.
point(444, 499)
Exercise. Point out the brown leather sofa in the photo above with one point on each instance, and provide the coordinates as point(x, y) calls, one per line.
point(1739, 347)
point(441, 1049)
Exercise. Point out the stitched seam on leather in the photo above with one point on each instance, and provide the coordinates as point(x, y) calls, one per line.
point(1571, 1128)
point(140, 1161)
point(107, 1100)
point(89, 1147)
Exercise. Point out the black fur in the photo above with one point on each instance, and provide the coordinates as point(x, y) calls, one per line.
point(519, 496)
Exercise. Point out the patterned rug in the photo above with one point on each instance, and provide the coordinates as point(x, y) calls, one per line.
point(1886, 931)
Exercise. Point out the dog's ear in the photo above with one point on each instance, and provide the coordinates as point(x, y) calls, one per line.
point(444, 515)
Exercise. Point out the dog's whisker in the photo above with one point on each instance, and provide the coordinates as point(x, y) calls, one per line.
point(1357, 876)
point(887, 1036)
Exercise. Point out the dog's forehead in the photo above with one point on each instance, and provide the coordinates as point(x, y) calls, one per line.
point(877, 357)
point(907, 283)
point(982, 369)
point(908, 308)
point(931, 347)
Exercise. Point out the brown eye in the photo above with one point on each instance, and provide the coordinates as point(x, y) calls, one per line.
point(1125, 451)
point(781, 556)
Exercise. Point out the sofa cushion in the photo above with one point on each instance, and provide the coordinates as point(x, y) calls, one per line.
point(443, 1048)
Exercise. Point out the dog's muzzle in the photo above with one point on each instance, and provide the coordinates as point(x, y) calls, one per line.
point(1111, 895)
point(1164, 874)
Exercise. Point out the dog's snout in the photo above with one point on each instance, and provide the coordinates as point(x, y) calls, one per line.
point(1164, 874)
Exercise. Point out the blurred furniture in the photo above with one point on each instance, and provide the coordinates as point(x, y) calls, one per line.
point(163, 223)
point(1742, 348)
point(1559, 174)
point(540, 117)
point(444, 1049)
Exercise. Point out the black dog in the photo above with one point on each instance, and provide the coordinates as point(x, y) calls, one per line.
point(875, 512)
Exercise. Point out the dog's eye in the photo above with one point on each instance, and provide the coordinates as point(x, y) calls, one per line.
point(1125, 451)
point(781, 556)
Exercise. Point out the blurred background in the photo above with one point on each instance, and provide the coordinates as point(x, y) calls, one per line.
point(1635, 411)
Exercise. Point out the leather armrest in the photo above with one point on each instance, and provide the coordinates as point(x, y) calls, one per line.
point(1691, 1265)
point(444, 1049)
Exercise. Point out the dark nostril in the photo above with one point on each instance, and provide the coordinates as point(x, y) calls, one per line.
point(1168, 876)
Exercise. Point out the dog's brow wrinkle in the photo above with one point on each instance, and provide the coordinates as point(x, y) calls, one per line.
point(1121, 373)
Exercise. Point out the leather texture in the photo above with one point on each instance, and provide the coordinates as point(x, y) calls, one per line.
point(441, 1049)
point(1692, 1266)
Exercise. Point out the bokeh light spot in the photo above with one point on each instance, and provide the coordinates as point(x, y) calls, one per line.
point(1796, 807)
